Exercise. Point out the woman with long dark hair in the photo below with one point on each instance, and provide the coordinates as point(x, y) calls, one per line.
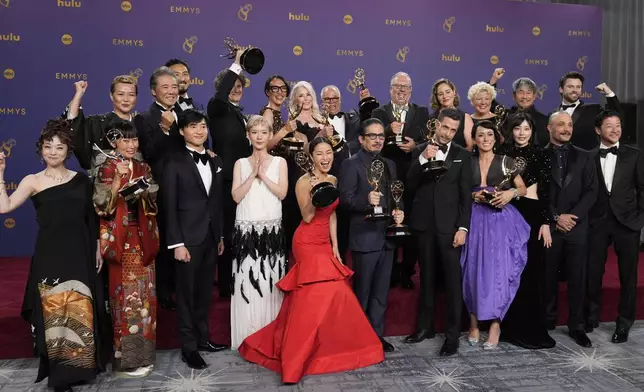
point(524, 324)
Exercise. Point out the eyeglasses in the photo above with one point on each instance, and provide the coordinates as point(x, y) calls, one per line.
point(374, 136)
point(277, 89)
point(331, 99)
point(401, 87)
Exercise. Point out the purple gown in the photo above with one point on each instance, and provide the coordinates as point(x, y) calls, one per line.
point(496, 250)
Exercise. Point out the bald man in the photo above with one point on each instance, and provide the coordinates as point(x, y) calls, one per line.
point(571, 193)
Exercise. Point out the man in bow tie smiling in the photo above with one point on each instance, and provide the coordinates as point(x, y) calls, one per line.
point(583, 114)
point(192, 190)
point(182, 72)
point(616, 219)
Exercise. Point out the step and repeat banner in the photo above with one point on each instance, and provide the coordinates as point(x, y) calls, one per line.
point(47, 45)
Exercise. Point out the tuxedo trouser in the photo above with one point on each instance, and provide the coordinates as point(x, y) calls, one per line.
point(435, 250)
point(406, 268)
point(571, 247)
point(225, 261)
point(371, 284)
point(609, 231)
point(194, 293)
point(164, 262)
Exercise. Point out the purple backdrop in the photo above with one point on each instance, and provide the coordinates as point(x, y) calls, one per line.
point(46, 45)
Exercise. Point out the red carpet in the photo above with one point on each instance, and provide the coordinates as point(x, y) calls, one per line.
point(15, 337)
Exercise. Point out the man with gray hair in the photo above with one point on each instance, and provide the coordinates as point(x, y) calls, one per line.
point(524, 92)
point(159, 136)
point(405, 126)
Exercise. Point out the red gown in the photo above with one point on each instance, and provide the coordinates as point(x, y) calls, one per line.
point(321, 327)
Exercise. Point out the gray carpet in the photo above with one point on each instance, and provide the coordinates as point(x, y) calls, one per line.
point(567, 367)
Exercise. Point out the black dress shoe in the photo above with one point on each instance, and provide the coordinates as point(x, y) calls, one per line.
point(407, 284)
point(448, 349)
point(580, 338)
point(419, 336)
point(194, 360)
point(620, 335)
point(63, 389)
point(590, 326)
point(211, 347)
point(168, 304)
point(386, 346)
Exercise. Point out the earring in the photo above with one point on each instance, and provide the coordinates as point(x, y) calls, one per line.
point(42, 161)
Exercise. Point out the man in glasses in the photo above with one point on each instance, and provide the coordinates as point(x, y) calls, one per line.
point(409, 122)
point(371, 252)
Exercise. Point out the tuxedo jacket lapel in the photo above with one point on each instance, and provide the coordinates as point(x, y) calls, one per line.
point(449, 159)
point(555, 172)
point(390, 112)
point(213, 170)
point(577, 113)
point(571, 166)
point(600, 173)
point(238, 114)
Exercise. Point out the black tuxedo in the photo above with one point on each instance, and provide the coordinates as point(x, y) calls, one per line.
point(617, 218)
point(584, 118)
point(416, 128)
point(155, 146)
point(195, 219)
point(372, 253)
point(442, 205)
point(228, 131)
point(572, 190)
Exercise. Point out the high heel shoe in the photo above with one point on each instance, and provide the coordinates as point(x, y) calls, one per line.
point(490, 346)
point(472, 341)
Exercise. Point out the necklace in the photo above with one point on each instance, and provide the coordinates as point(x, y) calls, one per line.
point(57, 179)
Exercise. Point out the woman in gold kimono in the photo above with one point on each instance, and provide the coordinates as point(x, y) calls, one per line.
point(125, 200)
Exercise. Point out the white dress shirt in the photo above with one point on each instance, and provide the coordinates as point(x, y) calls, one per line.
point(339, 124)
point(206, 178)
point(608, 166)
point(184, 105)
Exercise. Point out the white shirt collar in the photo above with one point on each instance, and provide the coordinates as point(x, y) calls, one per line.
point(198, 152)
point(605, 147)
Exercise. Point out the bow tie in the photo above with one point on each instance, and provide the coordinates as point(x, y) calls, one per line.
point(186, 100)
point(572, 105)
point(338, 115)
point(443, 148)
point(562, 148)
point(199, 157)
point(603, 152)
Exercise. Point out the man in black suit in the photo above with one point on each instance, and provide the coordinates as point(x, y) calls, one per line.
point(412, 126)
point(182, 72)
point(583, 114)
point(159, 136)
point(443, 206)
point(616, 219)
point(347, 125)
point(192, 189)
point(524, 93)
point(372, 253)
point(572, 192)
point(228, 134)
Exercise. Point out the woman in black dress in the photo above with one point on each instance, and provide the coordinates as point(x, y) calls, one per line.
point(524, 324)
point(63, 299)
point(444, 95)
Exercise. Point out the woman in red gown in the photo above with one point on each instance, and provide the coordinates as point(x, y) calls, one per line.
point(321, 327)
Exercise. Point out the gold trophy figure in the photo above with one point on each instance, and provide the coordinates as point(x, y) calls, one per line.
point(367, 104)
point(433, 166)
point(374, 174)
point(397, 230)
point(251, 61)
point(324, 193)
point(396, 138)
point(290, 142)
point(337, 142)
point(518, 166)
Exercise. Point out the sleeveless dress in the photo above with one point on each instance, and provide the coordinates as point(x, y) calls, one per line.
point(259, 262)
point(63, 299)
point(321, 327)
point(496, 250)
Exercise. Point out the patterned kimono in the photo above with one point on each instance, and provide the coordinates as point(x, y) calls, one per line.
point(129, 240)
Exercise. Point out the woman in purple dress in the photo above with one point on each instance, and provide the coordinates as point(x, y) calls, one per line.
point(496, 251)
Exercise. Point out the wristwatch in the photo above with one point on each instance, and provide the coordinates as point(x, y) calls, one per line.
point(516, 193)
point(556, 217)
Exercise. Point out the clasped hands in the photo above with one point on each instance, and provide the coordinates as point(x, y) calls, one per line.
point(499, 200)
